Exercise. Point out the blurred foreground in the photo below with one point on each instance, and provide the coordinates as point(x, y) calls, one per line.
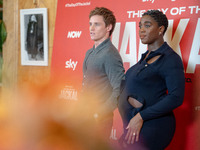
point(34, 119)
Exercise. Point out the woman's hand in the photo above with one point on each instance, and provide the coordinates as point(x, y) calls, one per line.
point(134, 128)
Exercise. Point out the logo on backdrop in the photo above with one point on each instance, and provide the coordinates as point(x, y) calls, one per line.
point(68, 93)
point(69, 64)
point(152, 1)
point(78, 4)
point(113, 134)
point(74, 34)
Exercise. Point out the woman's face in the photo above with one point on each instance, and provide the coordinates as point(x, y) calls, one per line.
point(149, 31)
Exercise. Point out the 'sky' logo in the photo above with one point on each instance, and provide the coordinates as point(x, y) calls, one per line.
point(152, 1)
point(71, 64)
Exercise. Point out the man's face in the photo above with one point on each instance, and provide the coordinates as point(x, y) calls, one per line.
point(98, 30)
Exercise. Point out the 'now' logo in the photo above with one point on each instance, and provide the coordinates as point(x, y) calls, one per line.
point(74, 34)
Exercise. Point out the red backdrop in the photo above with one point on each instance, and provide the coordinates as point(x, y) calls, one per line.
point(72, 40)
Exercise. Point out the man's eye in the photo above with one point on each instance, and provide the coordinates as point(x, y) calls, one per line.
point(147, 26)
point(96, 24)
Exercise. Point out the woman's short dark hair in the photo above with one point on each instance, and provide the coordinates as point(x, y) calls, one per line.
point(159, 17)
point(107, 15)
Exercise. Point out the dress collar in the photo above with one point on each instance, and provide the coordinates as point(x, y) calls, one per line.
point(159, 51)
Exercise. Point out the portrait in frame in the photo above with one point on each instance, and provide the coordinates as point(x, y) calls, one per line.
point(34, 37)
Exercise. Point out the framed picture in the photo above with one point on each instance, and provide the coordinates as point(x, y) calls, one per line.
point(34, 37)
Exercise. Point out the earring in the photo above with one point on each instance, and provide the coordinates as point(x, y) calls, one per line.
point(159, 33)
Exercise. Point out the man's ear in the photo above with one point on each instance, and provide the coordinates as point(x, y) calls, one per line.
point(109, 27)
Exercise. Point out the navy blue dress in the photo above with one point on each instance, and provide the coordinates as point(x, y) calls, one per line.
point(159, 86)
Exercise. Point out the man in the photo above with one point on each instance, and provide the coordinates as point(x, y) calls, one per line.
point(102, 70)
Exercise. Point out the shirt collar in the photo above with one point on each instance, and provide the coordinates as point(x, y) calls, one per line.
point(102, 45)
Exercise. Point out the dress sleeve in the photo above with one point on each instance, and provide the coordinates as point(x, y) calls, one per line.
point(173, 73)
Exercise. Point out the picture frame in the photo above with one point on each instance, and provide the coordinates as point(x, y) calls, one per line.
point(34, 37)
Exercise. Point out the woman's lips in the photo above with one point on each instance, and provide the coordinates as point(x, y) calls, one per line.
point(142, 36)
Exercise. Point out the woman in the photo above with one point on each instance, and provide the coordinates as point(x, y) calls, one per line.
point(153, 88)
point(32, 36)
